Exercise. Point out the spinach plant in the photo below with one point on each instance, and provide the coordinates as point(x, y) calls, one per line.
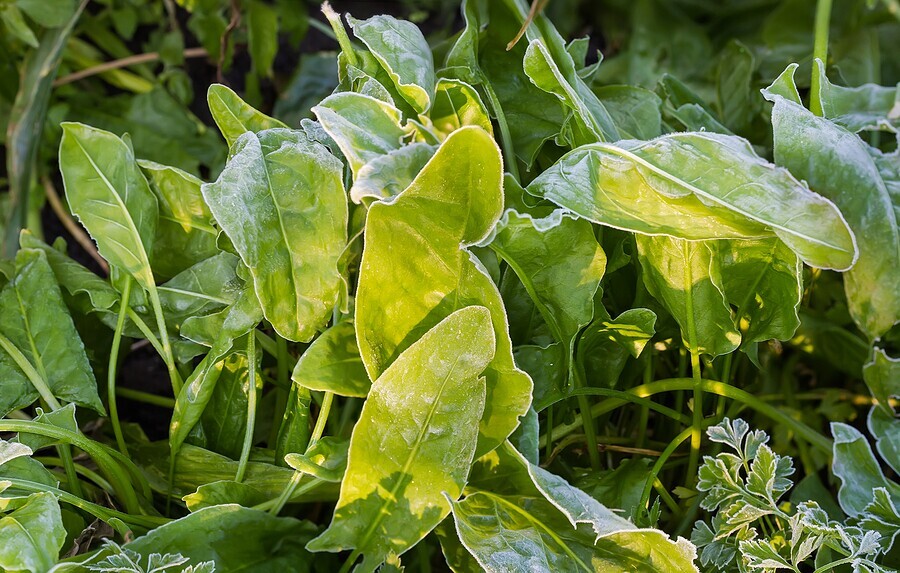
point(479, 309)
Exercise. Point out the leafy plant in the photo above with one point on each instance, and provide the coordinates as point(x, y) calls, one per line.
point(466, 300)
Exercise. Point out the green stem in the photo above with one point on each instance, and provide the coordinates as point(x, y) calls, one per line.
point(697, 421)
point(316, 435)
point(251, 410)
point(146, 398)
point(98, 511)
point(512, 165)
point(145, 330)
point(104, 459)
point(40, 384)
point(629, 397)
point(820, 51)
point(660, 462)
point(679, 384)
point(340, 33)
point(168, 358)
point(80, 469)
point(112, 369)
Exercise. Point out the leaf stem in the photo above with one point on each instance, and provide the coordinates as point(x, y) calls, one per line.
point(112, 369)
point(506, 142)
point(146, 398)
point(340, 33)
point(251, 410)
point(820, 51)
point(174, 376)
point(660, 462)
point(697, 422)
point(714, 387)
point(104, 459)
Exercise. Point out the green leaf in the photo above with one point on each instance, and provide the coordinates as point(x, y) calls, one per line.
point(234, 116)
point(416, 269)
point(184, 234)
point(206, 287)
point(840, 168)
point(281, 201)
point(768, 475)
point(35, 320)
point(662, 187)
point(111, 198)
point(533, 116)
point(560, 264)
point(868, 106)
point(388, 175)
point(414, 441)
point(882, 376)
point(225, 415)
point(402, 51)
point(262, 36)
point(456, 105)
point(886, 431)
point(48, 13)
point(634, 110)
point(734, 76)
point(61, 418)
point(684, 276)
point(605, 345)
point(555, 73)
point(363, 127)
point(882, 516)
point(325, 460)
point(12, 450)
point(197, 466)
point(238, 319)
point(857, 469)
point(209, 534)
point(295, 430)
point(763, 280)
point(32, 536)
point(332, 363)
point(75, 279)
point(221, 492)
point(17, 26)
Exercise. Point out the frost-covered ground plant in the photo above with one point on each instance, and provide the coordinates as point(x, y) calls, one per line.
point(477, 311)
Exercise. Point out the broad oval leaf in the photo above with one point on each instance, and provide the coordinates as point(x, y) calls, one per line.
point(281, 201)
point(416, 270)
point(108, 193)
point(234, 116)
point(685, 277)
point(859, 472)
point(35, 321)
point(32, 536)
point(698, 186)
point(401, 49)
point(840, 168)
point(414, 441)
point(388, 175)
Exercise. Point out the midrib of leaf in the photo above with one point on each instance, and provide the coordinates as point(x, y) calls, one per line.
point(141, 254)
point(529, 517)
point(689, 295)
point(699, 192)
point(192, 224)
point(583, 114)
point(36, 379)
point(236, 118)
point(409, 460)
point(293, 275)
point(38, 362)
point(193, 294)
